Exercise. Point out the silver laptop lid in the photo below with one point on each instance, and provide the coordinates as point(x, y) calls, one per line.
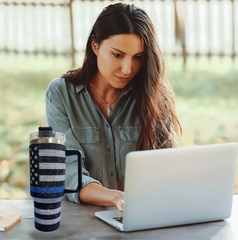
point(179, 186)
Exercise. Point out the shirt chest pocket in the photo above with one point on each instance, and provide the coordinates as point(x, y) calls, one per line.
point(128, 141)
point(87, 135)
point(129, 134)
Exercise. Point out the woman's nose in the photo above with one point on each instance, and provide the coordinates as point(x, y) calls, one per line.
point(126, 66)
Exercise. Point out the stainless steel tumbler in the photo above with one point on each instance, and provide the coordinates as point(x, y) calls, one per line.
point(47, 156)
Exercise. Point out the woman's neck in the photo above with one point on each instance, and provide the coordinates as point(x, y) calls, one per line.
point(103, 89)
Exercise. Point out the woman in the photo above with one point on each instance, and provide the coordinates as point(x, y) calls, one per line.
point(118, 101)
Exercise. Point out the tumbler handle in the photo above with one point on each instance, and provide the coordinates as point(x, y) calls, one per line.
point(78, 153)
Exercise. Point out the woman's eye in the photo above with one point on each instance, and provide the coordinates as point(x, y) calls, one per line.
point(138, 57)
point(117, 55)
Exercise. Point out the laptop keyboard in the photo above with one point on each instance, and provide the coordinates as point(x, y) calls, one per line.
point(119, 219)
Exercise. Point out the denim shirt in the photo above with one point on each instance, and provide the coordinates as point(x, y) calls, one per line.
point(103, 143)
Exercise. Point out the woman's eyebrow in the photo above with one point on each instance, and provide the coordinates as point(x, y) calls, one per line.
point(125, 53)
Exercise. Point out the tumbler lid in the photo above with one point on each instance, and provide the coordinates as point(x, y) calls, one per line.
point(46, 135)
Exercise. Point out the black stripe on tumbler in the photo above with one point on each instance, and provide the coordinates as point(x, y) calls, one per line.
point(47, 228)
point(52, 159)
point(49, 184)
point(54, 146)
point(51, 172)
point(47, 217)
point(47, 195)
point(47, 205)
point(44, 146)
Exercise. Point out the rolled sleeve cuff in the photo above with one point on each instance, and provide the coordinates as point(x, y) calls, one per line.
point(74, 197)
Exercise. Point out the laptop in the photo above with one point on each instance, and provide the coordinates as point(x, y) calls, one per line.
point(176, 186)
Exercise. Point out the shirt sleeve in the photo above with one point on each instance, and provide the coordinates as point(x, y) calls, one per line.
point(57, 118)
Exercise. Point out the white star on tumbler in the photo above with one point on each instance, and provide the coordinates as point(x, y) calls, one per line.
point(35, 157)
point(36, 183)
point(35, 165)
point(35, 148)
point(36, 174)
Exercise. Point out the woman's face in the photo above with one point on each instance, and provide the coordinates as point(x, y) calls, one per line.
point(119, 58)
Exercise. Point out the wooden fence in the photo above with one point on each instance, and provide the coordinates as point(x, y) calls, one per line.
point(61, 27)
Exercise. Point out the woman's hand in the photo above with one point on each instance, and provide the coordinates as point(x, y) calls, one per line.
point(96, 194)
point(118, 199)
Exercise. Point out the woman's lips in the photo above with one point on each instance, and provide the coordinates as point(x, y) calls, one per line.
point(122, 78)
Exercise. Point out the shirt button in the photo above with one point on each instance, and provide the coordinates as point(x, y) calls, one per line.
point(109, 150)
point(111, 174)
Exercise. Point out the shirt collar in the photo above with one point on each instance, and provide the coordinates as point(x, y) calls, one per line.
point(79, 88)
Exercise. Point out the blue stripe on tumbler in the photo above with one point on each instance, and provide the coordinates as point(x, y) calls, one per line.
point(47, 190)
point(46, 195)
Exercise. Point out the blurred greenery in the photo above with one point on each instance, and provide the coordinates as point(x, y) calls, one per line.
point(206, 102)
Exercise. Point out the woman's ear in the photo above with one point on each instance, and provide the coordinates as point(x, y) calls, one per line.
point(95, 47)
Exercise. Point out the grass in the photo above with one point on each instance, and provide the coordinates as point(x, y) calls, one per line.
point(206, 103)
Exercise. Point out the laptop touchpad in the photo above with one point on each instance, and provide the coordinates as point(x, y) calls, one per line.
point(119, 219)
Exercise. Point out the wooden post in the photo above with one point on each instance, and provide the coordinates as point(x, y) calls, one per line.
point(233, 31)
point(180, 27)
point(72, 52)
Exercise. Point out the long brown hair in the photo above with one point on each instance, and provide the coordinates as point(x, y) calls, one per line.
point(160, 127)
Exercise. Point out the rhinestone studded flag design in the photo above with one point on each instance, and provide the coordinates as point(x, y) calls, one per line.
point(47, 180)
